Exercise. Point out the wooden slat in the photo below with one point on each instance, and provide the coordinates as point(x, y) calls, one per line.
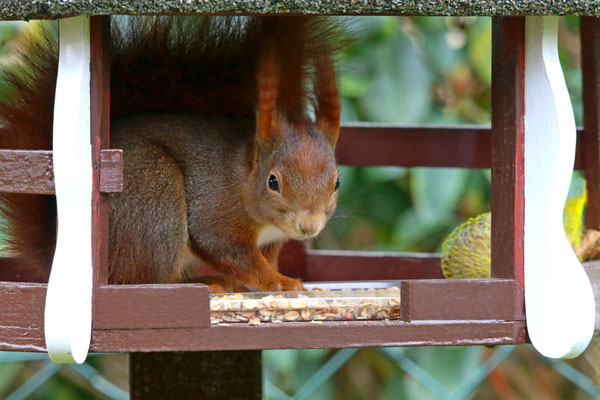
point(174, 317)
point(24, 171)
point(344, 265)
point(590, 66)
point(22, 304)
point(292, 259)
point(508, 142)
point(459, 299)
point(328, 265)
point(14, 338)
point(100, 59)
point(123, 307)
point(151, 306)
point(300, 335)
point(363, 144)
point(31, 171)
point(111, 171)
point(433, 146)
point(289, 335)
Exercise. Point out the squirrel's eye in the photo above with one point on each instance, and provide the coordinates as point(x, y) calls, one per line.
point(337, 184)
point(273, 183)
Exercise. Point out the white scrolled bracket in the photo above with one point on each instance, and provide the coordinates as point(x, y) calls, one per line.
point(68, 313)
point(559, 299)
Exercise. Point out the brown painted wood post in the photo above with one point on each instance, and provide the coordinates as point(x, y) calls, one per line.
point(100, 56)
point(508, 159)
point(207, 375)
point(590, 65)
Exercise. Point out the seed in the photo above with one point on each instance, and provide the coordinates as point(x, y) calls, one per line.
point(282, 304)
point(236, 307)
point(291, 315)
point(297, 303)
point(305, 314)
point(249, 304)
point(368, 304)
point(277, 317)
point(254, 321)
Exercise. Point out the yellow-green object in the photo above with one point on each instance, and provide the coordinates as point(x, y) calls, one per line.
point(573, 217)
point(466, 252)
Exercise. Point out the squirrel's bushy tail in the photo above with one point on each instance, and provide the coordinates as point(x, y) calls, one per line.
point(175, 64)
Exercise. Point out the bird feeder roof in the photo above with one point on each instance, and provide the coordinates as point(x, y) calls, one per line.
point(51, 9)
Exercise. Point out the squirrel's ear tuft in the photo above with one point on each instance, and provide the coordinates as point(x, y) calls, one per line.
point(268, 81)
point(327, 99)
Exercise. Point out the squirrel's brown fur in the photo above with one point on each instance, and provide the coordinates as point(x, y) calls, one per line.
point(206, 111)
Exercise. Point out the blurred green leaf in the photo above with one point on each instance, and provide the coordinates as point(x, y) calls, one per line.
point(436, 191)
point(479, 46)
point(399, 91)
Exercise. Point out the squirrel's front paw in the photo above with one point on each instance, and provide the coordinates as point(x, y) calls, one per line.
point(287, 284)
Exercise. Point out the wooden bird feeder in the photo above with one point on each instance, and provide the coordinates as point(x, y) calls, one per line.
point(530, 148)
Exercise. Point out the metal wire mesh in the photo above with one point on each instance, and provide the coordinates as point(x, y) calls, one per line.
point(399, 356)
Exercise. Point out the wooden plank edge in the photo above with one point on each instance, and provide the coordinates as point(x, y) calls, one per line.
point(590, 74)
point(459, 299)
point(303, 335)
point(152, 306)
point(349, 265)
point(460, 146)
point(341, 265)
point(31, 171)
point(117, 306)
point(289, 335)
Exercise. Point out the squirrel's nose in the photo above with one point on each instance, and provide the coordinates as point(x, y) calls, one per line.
point(309, 224)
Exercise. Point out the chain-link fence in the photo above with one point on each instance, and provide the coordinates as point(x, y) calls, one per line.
point(411, 369)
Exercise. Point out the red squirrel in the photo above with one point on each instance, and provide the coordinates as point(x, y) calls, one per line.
point(222, 159)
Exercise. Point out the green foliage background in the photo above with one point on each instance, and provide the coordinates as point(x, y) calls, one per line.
point(409, 70)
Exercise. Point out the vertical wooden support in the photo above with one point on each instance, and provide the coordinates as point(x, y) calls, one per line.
point(590, 65)
point(508, 139)
point(208, 375)
point(100, 56)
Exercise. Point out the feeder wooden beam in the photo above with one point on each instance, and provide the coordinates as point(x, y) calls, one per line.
point(32, 171)
point(590, 72)
point(175, 318)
